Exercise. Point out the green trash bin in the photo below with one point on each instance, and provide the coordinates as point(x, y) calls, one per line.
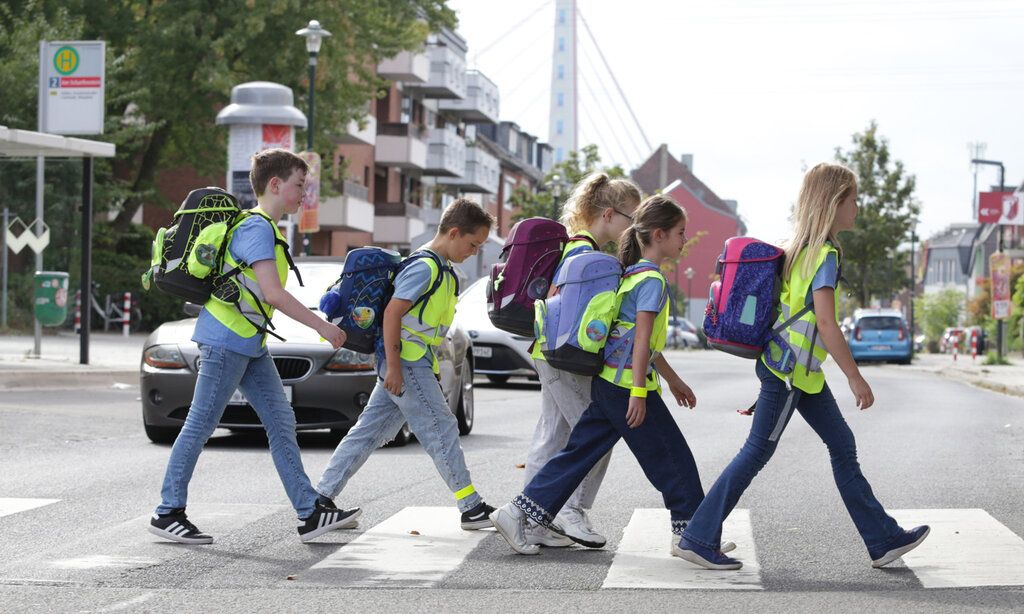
point(51, 297)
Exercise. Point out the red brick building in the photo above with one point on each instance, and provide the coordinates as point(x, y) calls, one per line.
point(706, 212)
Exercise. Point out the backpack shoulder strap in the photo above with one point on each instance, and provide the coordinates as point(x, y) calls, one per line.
point(286, 249)
point(441, 270)
point(583, 237)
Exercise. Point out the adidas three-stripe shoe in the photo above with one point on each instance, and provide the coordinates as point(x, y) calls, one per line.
point(176, 527)
point(477, 518)
point(327, 518)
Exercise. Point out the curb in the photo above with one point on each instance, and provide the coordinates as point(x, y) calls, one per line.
point(62, 380)
point(951, 373)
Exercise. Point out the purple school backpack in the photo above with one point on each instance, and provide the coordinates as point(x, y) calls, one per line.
point(523, 273)
point(743, 304)
point(574, 324)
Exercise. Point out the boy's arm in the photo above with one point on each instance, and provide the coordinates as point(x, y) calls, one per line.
point(392, 332)
point(282, 300)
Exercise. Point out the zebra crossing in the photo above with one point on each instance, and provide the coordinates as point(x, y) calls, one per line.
point(419, 547)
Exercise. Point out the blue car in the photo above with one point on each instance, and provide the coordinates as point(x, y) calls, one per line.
point(879, 335)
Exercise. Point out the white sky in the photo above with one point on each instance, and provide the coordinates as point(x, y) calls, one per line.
point(756, 90)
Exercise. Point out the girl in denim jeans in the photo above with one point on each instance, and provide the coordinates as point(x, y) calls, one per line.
point(791, 378)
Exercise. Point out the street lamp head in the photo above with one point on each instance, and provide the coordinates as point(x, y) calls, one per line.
point(314, 34)
point(689, 272)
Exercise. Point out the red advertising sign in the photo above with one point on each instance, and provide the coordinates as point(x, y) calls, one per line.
point(309, 215)
point(999, 267)
point(277, 136)
point(1000, 208)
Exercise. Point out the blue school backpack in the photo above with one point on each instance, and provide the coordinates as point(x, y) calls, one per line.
point(356, 302)
point(743, 305)
point(573, 325)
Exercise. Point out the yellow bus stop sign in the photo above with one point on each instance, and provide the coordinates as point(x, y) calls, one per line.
point(65, 60)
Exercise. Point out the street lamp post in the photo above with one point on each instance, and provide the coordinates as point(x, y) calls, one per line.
point(689, 287)
point(913, 283)
point(999, 249)
point(314, 34)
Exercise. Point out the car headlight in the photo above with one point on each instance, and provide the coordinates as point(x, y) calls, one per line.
point(164, 357)
point(347, 360)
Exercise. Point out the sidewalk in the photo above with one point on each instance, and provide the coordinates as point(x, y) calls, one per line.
point(113, 359)
point(1005, 379)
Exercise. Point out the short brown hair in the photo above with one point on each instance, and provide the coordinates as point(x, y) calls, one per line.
point(465, 215)
point(271, 163)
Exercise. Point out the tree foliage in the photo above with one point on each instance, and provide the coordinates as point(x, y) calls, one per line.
point(938, 311)
point(873, 263)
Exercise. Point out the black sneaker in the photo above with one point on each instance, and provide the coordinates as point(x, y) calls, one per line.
point(176, 527)
point(327, 518)
point(477, 518)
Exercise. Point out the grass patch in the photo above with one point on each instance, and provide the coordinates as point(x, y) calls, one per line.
point(993, 359)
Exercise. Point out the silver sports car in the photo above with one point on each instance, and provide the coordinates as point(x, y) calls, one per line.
point(328, 389)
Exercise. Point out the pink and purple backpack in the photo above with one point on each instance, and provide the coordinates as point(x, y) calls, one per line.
point(744, 303)
point(524, 273)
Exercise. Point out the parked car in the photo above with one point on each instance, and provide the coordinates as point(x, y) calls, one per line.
point(497, 354)
point(327, 388)
point(946, 341)
point(682, 334)
point(880, 335)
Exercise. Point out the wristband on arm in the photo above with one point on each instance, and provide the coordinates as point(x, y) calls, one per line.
point(639, 392)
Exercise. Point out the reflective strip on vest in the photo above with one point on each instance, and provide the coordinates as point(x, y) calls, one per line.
point(438, 313)
point(621, 373)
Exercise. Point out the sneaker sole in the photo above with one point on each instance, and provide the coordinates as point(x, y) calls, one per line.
point(692, 557)
point(589, 543)
point(726, 548)
point(476, 525)
point(507, 538)
point(177, 538)
point(350, 522)
point(550, 542)
point(892, 555)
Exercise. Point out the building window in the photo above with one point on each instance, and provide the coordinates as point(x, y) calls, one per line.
point(558, 155)
point(560, 99)
point(559, 126)
point(561, 71)
point(561, 43)
point(561, 16)
point(506, 201)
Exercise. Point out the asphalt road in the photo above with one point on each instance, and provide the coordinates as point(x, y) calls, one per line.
point(79, 479)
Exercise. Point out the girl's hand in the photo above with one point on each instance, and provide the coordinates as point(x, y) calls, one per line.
point(637, 412)
point(862, 392)
point(683, 394)
point(393, 382)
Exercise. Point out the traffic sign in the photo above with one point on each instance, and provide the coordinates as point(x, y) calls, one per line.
point(72, 86)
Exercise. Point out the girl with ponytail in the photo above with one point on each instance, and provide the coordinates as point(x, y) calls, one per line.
point(596, 213)
point(626, 395)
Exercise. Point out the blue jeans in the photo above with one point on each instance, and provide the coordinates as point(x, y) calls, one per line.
point(423, 406)
point(775, 406)
point(221, 371)
point(657, 444)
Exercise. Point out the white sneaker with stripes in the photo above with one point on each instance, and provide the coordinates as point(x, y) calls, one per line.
point(176, 527)
point(326, 518)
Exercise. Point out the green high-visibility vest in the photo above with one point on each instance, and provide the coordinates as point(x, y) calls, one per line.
point(426, 328)
point(802, 335)
point(613, 370)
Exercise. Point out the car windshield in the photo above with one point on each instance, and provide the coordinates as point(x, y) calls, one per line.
point(316, 277)
point(880, 323)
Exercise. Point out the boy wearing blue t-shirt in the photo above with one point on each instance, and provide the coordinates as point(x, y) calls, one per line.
point(416, 321)
point(233, 355)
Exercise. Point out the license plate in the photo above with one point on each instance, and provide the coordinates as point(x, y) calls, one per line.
point(881, 348)
point(239, 399)
point(482, 352)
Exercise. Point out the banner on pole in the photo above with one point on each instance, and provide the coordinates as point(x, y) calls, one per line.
point(999, 268)
point(1004, 208)
point(309, 216)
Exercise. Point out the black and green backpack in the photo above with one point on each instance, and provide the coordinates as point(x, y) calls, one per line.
point(187, 255)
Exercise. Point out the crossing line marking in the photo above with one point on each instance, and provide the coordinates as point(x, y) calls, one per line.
point(643, 558)
point(390, 555)
point(10, 505)
point(966, 547)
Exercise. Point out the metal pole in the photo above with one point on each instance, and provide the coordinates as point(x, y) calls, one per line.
point(86, 280)
point(913, 283)
point(3, 258)
point(306, 247)
point(40, 178)
point(1000, 325)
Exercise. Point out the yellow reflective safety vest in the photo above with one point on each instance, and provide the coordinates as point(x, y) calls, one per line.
point(618, 358)
point(580, 242)
point(237, 301)
point(802, 366)
point(426, 324)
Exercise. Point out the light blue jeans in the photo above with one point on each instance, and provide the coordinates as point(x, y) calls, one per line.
point(423, 406)
point(221, 371)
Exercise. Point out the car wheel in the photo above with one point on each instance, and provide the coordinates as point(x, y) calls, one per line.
point(466, 409)
point(162, 434)
point(498, 379)
point(402, 438)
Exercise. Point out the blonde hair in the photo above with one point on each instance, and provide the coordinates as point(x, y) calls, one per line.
point(592, 195)
point(656, 212)
point(824, 187)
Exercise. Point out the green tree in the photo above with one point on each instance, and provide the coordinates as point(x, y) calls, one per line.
point(171, 65)
point(558, 183)
point(873, 263)
point(939, 311)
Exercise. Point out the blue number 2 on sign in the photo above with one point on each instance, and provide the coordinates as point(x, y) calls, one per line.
point(54, 81)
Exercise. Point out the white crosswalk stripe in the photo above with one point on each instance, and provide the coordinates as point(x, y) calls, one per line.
point(11, 505)
point(417, 547)
point(642, 559)
point(966, 547)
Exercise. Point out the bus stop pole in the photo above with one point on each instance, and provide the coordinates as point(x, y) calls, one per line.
point(86, 277)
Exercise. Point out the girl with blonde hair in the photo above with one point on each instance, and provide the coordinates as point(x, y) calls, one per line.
point(596, 213)
point(791, 378)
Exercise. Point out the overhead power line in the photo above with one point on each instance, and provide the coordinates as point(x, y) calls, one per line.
point(516, 26)
point(608, 95)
